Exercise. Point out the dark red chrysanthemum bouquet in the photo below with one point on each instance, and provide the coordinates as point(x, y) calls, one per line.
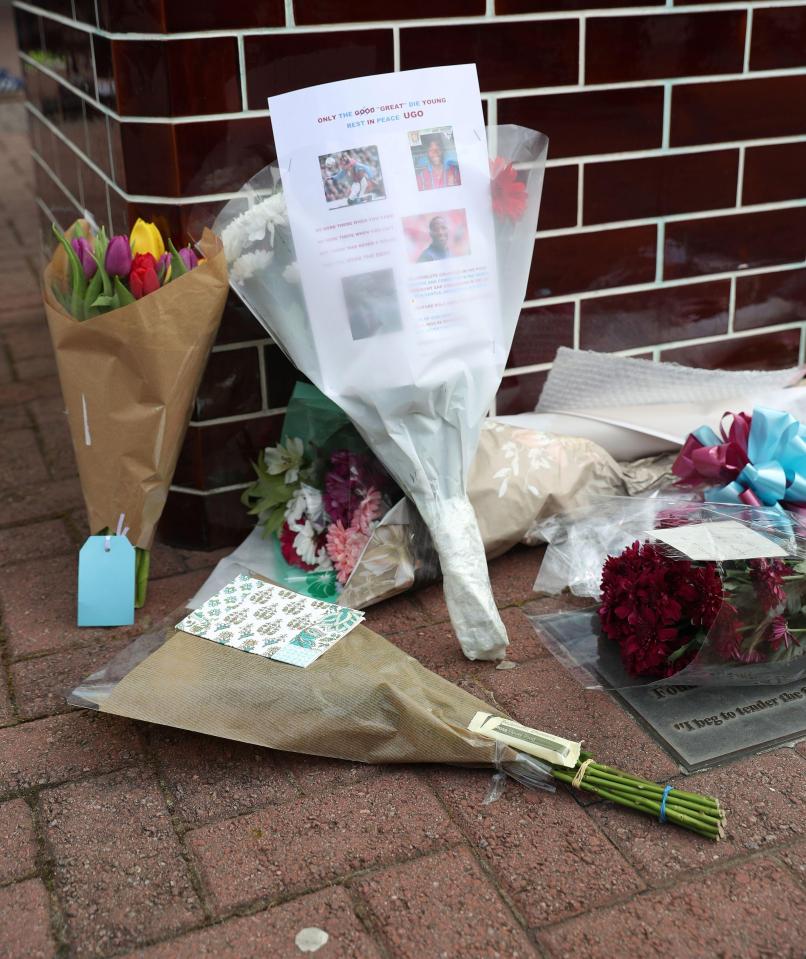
point(666, 612)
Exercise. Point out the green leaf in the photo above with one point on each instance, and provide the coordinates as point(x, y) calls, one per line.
point(142, 563)
point(78, 282)
point(93, 292)
point(105, 301)
point(124, 296)
point(178, 267)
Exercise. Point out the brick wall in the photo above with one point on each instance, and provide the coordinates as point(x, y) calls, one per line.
point(674, 213)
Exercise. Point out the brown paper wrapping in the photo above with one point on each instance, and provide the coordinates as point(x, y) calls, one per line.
point(129, 379)
point(364, 700)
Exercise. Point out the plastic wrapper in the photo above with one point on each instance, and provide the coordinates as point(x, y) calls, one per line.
point(682, 593)
point(518, 478)
point(419, 408)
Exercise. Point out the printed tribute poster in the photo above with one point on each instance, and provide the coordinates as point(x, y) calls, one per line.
point(387, 184)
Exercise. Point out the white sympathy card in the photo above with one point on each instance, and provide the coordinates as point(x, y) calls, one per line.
point(387, 184)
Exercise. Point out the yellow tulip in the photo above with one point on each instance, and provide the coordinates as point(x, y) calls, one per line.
point(146, 238)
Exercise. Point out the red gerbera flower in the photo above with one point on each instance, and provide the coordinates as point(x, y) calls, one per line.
point(509, 194)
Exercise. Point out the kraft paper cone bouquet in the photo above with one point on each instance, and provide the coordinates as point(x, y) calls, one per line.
point(131, 332)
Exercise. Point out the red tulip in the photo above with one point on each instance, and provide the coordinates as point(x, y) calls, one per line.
point(143, 277)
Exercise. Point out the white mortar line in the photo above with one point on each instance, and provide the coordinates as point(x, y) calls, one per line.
point(264, 387)
point(740, 177)
point(672, 151)
point(241, 345)
point(221, 420)
point(748, 40)
point(666, 284)
point(242, 71)
point(396, 49)
point(289, 13)
point(802, 347)
point(582, 33)
point(667, 116)
point(580, 194)
point(577, 334)
point(732, 306)
point(671, 218)
point(660, 251)
point(208, 492)
point(363, 25)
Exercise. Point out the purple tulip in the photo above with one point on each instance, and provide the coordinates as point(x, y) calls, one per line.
point(189, 258)
point(118, 260)
point(83, 250)
point(162, 265)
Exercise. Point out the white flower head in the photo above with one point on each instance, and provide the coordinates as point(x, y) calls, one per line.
point(248, 264)
point(285, 459)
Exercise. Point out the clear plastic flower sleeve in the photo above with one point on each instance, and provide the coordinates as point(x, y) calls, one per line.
point(412, 347)
point(685, 593)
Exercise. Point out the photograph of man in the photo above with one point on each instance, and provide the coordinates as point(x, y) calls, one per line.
point(352, 176)
point(372, 307)
point(434, 156)
point(431, 237)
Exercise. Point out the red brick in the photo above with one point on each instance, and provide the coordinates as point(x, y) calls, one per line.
point(118, 866)
point(765, 799)
point(272, 933)
point(437, 646)
point(41, 539)
point(769, 298)
point(558, 200)
point(778, 39)
point(415, 905)
point(28, 340)
point(20, 459)
point(53, 750)
point(540, 332)
point(544, 850)
point(767, 351)
point(543, 694)
point(396, 615)
point(755, 909)
point(213, 778)
point(316, 774)
point(519, 393)
point(41, 685)
point(17, 842)
point(26, 503)
point(31, 937)
point(795, 858)
point(39, 606)
point(318, 839)
point(774, 173)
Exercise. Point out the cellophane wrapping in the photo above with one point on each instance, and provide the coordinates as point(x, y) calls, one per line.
point(423, 420)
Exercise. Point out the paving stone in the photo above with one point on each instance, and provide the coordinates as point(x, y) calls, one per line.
point(396, 615)
point(443, 905)
point(319, 839)
point(795, 858)
point(6, 375)
point(216, 778)
point(41, 685)
point(543, 694)
point(167, 561)
point(39, 606)
point(36, 368)
point(315, 774)
point(14, 418)
point(33, 502)
point(31, 938)
point(39, 539)
point(6, 712)
point(546, 852)
point(118, 866)
point(204, 559)
point(436, 646)
point(20, 459)
point(12, 394)
point(60, 748)
point(752, 910)
point(17, 841)
point(765, 800)
point(801, 747)
point(272, 933)
point(29, 340)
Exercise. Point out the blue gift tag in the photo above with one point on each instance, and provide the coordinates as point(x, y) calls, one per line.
point(106, 582)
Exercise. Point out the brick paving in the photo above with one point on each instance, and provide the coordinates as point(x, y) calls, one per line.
point(123, 839)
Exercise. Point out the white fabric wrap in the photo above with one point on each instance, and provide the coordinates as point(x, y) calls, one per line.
point(466, 581)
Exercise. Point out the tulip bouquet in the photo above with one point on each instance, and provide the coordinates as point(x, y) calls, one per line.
point(132, 323)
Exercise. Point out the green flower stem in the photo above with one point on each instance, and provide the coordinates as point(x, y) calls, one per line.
point(680, 793)
point(142, 564)
point(706, 803)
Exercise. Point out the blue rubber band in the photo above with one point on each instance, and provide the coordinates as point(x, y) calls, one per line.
point(662, 815)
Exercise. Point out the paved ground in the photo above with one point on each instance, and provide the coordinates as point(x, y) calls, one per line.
point(121, 839)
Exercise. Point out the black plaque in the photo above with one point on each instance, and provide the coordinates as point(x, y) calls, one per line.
point(699, 726)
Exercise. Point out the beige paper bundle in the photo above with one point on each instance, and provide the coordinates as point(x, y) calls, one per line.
point(129, 378)
point(364, 700)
